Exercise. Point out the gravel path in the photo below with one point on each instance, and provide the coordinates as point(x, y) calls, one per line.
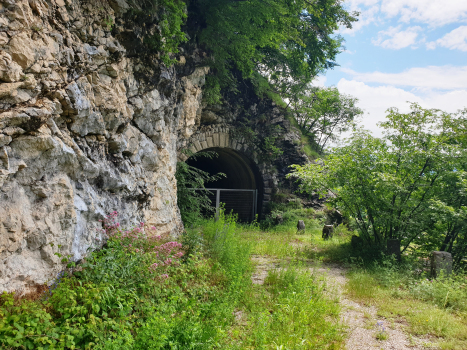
point(362, 321)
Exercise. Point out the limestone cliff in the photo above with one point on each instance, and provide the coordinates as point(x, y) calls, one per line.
point(90, 123)
point(81, 134)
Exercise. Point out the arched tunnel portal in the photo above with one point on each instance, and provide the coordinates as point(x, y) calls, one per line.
point(241, 190)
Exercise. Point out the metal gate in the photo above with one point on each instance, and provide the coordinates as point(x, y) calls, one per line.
point(240, 202)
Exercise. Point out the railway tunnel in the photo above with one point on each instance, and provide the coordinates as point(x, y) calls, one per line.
point(241, 191)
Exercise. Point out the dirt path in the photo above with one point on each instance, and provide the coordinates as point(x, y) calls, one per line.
point(362, 321)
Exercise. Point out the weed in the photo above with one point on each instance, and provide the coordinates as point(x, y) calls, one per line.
point(381, 333)
point(140, 291)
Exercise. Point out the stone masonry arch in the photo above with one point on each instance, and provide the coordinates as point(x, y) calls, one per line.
point(224, 137)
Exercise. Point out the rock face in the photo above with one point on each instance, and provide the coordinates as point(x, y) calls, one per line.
point(81, 134)
point(90, 124)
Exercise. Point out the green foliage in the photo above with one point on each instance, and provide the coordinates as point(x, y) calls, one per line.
point(227, 248)
point(167, 34)
point(264, 89)
point(408, 185)
point(212, 91)
point(138, 292)
point(193, 204)
point(291, 312)
point(286, 40)
point(323, 113)
point(266, 145)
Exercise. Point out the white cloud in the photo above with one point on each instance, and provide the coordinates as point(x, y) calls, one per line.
point(431, 77)
point(376, 100)
point(319, 81)
point(454, 40)
point(395, 38)
point(367, 16)
point(433, 12)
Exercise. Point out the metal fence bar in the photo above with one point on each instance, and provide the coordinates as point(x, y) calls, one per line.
point(234, 201)
point(218, 201)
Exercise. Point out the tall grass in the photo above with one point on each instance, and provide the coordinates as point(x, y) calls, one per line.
point(290, 311)
point(432, 307)
point(140, 291)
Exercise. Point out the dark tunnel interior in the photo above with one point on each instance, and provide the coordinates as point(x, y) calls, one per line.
point(241, 173)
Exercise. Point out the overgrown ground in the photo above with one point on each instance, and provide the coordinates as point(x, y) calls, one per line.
point(398, 304)
point(228, 286)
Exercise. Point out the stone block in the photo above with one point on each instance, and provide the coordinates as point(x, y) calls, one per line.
point(327, 231)
point(394, 248)
point(222, 140)
point(441, 261)
point(216, 140)
point(210, 141)
point(301, 226)
point(197, 146)
point(204, 144)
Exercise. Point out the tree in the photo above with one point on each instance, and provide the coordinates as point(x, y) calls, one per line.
point(323, 113)
point(287, 41)
point(393, 186)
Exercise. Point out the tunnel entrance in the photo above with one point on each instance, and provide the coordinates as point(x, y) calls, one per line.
point(241, 191)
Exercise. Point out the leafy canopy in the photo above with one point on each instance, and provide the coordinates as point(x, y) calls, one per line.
point(289, 41)
point(408, 185)
point(323, 113)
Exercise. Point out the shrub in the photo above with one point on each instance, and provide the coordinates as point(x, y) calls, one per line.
point(140, 291)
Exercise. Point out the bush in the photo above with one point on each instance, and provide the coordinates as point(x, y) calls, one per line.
point(141, 291)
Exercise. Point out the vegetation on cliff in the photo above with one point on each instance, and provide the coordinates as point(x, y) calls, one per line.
point(279, 46)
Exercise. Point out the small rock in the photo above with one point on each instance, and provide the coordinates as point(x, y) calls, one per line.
point(301, 226)
point(327, 231)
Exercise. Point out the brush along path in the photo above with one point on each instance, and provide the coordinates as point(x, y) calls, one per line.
point(361, 320)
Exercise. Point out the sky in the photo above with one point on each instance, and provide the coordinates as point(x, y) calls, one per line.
point(403, 50)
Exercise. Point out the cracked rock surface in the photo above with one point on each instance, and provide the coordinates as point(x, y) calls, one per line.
point(83, 132)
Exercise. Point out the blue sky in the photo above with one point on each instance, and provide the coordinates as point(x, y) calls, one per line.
point(403, 50)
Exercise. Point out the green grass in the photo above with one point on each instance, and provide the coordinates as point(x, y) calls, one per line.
point(436, 309)
point(140, 292)
point(397, 296)
point(290, 311)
